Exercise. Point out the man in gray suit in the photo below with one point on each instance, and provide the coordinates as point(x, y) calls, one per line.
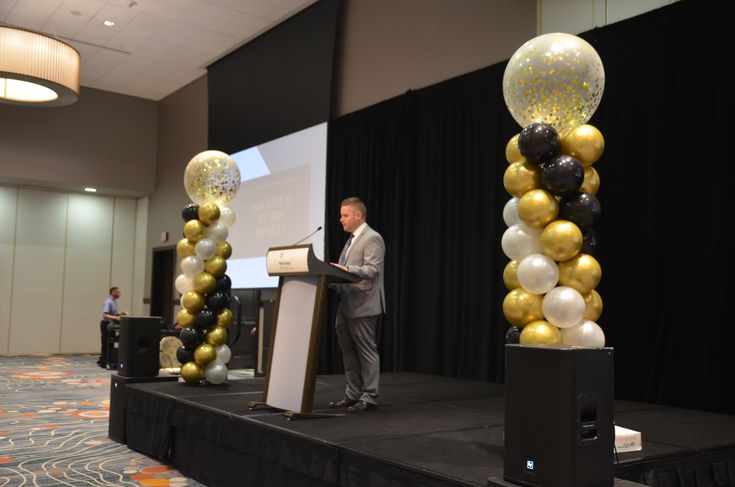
point(360, 305)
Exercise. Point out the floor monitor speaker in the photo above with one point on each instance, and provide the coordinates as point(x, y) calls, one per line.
point(559, 428)
point(138, 354)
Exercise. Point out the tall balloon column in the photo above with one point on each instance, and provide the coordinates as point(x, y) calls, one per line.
point(212, 180)
point(552, 85)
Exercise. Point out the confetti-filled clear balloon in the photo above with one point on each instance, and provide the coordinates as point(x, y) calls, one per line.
point(212, 177)
point(556, 79)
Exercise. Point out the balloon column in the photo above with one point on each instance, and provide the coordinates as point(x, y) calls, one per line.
point(212, 180)
point(552, 85)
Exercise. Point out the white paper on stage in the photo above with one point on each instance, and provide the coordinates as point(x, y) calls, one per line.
point(627, 440)
point(287, 375)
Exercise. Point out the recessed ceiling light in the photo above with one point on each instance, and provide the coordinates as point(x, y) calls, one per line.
point(108, 23)
point(90, 190)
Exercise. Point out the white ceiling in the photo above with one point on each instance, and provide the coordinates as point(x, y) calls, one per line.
point(155, 46)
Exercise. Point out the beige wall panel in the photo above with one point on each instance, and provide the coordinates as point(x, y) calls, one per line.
point(87, 276)
point(388, 47)
point(139, 308)
point(617, 11)
point(123, 251)
point(8, 199)
point(38, 277)
point(569, 16)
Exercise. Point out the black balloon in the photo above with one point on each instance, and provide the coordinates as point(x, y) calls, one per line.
point(591, 243)
point(224, 284)
point(513, 335)
point(190, 212)
point(183, 355)
point(191, 338)
point(218, 301)
point(538, 142)
point(582, 209)
point(562, 175)
point(206, 318)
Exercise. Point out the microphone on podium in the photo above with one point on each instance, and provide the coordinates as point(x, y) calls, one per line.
point(309, 236)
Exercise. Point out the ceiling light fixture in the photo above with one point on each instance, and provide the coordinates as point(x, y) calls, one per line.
point(109, 23)
point(37, 70)
point(90, 190)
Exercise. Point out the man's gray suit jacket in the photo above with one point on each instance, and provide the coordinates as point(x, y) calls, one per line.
point(365, 258)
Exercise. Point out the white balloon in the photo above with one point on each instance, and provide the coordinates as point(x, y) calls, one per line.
point(510, 212)
point(224, 354)
point(205, 248)
point(537, 273)
point(563, 307)
point(192, 265)
point(227, 216)
point(217, 231)
point(520, 240)
point(184, 283)
point(215, 373)
point(586, 334)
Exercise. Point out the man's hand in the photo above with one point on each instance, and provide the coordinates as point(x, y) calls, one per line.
point(340, 266)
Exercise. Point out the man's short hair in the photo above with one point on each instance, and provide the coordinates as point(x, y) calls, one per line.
point(356, 203)
point(113, 289)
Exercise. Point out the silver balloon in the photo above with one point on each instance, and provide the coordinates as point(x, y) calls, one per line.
point(586, 334)
point(537, 273)
point(510, 212)
point(224, 354)
point(192, 265)
point(184, 283)
point(563, 307)
point(554, 78)
point(227, 216)
point(217, 231)
point(215, 372)
point(205, 248)
point(521, 240)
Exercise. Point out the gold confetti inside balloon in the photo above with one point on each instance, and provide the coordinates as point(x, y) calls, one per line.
point(510, 275)
point(554, 78)
point(212, 177)
point(540, 333)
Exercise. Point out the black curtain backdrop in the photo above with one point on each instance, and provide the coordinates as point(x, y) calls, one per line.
point(429, 165)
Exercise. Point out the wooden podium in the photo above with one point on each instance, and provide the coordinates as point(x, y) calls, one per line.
point(300, 309)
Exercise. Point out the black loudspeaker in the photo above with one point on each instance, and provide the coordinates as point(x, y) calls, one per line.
point(116, 428)
point(559, 416)
point(140, 338)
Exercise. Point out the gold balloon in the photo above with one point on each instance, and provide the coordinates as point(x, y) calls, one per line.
point(521, 176)
point(591, 183)
point(561, 240)
point(585, 143)
point(212, 177)
point(537, 208)
point(194, 230)
point(209, 213)
point(224, 318)
point(521, 307)
point(205, 283)
point(510, 276)
point(217, 266)
point(193, 301)
point(205, 353)
point(192, 373)
point(593, 306)
point(582, 273)
point(554, 78)
point(512, 152)
point(540, 333)
point(185, 318)
point(224, 250)
point(184, 248)
point(216, 336)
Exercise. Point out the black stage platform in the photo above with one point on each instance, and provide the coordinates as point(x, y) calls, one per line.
point(429, 431)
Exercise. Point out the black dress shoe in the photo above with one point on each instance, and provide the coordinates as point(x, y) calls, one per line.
point(362, 406)
point(346, 402)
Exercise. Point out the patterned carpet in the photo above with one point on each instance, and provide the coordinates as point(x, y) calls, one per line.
point(54, 413)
